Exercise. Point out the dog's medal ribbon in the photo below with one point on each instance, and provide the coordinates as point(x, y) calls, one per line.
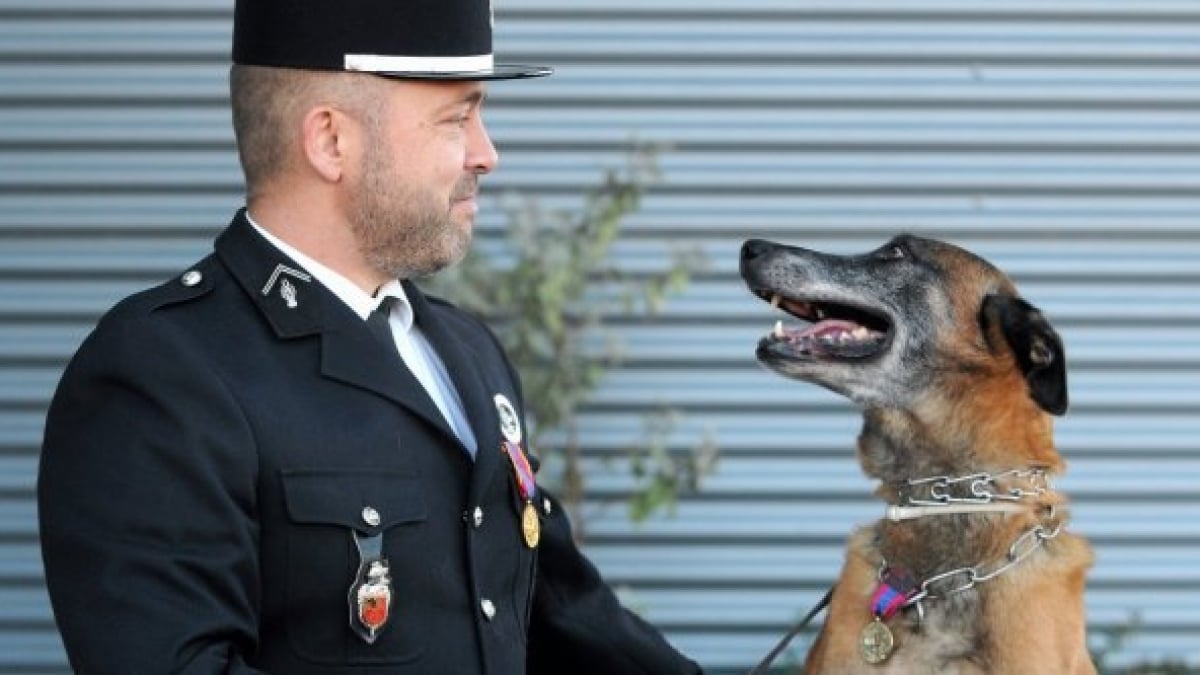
point(371, 593)
point(510, 428)
point(876, 642)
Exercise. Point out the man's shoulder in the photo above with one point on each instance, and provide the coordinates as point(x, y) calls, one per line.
point(467, 325)
point(462, 320)
point(189, 285)
point(167, 316)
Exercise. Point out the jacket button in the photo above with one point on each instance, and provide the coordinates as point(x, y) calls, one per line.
point(489, 609)
point(370, 516)
point(477, 517)
point(191, 278)
point(546, 505)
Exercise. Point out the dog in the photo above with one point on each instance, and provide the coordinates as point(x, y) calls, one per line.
point(971, 571)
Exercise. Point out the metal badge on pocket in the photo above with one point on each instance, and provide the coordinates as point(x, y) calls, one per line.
point(371, 593)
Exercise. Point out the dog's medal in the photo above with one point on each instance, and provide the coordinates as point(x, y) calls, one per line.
point(876, 643)
point(371, 593)
point(896, 587)
point(510, 428)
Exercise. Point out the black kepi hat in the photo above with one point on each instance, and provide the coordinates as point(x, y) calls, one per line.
point(410, 39)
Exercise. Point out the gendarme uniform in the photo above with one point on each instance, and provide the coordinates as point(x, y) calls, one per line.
point(239, 476)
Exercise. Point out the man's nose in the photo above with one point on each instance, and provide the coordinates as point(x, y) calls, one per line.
point(481, 154)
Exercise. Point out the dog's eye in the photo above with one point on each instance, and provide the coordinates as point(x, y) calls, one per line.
point(893, 252)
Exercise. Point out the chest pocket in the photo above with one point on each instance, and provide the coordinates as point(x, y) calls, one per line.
point(342, 498)
point(325, 508)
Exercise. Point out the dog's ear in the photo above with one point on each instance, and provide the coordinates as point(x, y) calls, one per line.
point(1035, 344)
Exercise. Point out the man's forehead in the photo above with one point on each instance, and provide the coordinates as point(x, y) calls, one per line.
point(443, 93)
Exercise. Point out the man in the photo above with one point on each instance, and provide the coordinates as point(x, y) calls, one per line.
point(288, 459)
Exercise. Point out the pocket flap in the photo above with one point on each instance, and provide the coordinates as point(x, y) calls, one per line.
point(353, 498)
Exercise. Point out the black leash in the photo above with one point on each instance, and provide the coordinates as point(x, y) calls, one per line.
point(774, 653)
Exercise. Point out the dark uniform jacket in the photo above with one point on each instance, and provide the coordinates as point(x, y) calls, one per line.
point(208, 459)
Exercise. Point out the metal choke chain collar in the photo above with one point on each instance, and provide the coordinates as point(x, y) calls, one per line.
point(983, 492)
point(982, 488)
point(980, 492)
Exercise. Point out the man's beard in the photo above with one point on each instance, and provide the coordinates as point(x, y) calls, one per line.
point(403, 232)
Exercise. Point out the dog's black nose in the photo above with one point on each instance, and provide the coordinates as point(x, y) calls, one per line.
point(754, 248)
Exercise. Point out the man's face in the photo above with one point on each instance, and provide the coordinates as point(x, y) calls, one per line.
point(413, 199)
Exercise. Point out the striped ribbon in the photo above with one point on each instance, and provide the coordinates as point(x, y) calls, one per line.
point(522, 470)
point(887, 601)
point(894, 590)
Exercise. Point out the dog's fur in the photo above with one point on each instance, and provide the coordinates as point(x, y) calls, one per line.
point(959, 376)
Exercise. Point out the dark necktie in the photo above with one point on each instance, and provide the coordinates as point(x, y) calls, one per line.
point(377, 321)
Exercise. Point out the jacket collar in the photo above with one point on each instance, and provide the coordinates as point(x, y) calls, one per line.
point(288, 297)
point(296, 305)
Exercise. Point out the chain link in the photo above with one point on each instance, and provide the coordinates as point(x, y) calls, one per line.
point(1023, 547)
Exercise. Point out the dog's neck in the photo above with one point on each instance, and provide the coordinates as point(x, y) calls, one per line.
point(908, 469)
point(897, 445)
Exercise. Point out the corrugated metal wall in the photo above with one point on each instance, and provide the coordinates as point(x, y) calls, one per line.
point(1060, 138)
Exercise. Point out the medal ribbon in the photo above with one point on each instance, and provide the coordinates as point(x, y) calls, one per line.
point(524, 472)
point(894, 590)
point(887, 601)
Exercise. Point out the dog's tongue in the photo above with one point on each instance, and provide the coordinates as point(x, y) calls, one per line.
point(833, 337)
point(829, 328)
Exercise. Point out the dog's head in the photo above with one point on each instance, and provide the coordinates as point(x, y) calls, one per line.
point(890, 326)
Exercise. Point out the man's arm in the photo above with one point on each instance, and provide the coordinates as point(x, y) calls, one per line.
point(146, 498)
point(579, 627)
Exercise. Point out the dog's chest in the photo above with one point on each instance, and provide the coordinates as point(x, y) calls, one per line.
point(945, 644)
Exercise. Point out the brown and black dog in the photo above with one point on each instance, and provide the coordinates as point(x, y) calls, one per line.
point(970, 571)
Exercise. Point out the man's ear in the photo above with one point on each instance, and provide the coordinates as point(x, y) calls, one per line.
point(324, 142)
point(1034, 343)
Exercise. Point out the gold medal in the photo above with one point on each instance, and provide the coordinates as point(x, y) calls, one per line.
point(531, 527)
point(876, 643)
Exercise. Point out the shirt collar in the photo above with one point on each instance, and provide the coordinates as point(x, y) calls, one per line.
point(355, 298)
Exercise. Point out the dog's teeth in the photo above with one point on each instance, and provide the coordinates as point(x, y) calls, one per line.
point(778, 332)
point(775, 300)
point(819, 313)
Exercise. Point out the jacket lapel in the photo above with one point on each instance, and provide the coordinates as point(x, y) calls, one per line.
point(476, 393)
point(357, 357)
point(296, 305)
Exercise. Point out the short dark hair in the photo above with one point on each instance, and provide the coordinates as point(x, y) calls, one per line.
point(268, 104)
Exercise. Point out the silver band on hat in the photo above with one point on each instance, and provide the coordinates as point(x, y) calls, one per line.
point(375, 63)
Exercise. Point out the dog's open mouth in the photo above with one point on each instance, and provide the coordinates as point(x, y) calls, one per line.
point(835, 331)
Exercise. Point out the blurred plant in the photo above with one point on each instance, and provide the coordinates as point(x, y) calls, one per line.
point(545, 294)
point(1113, 640)
point(662, 474)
